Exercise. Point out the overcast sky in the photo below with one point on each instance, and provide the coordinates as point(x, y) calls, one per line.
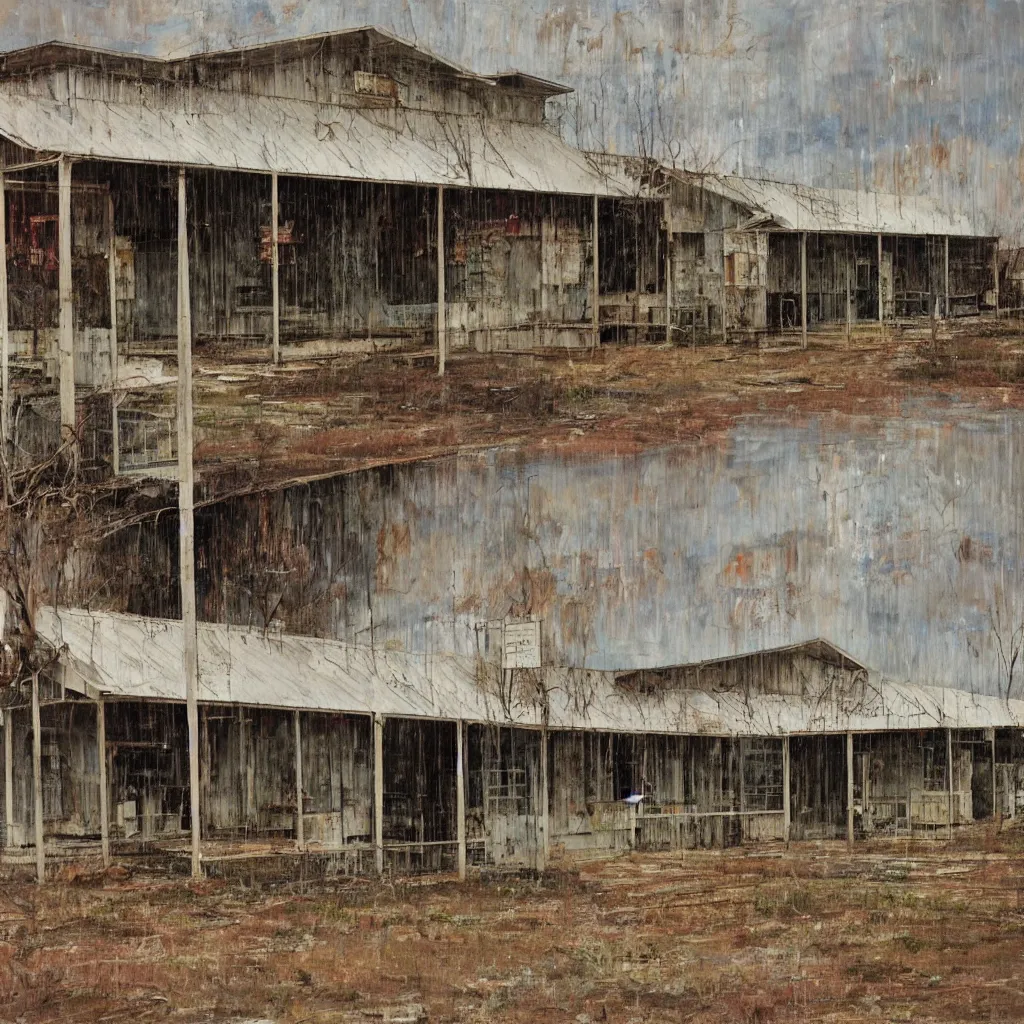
point(913, 95)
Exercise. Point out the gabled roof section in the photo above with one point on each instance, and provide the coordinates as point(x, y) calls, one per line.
point(131, 657)
point(819, 649)
point(524, 82)
point(59, 54)
point(642, 176)
point(300, 46)
point(790, 207)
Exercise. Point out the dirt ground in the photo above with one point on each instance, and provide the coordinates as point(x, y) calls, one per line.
point(259, 425)
point(902, 931)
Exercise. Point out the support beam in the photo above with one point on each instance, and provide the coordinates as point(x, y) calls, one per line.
point(995, 273)
point(300, 824)
point(865, 793)
point(595, 312)
point(949, 779)
point(787, 807)
point(65, 293)
point(378, 792)
point(803, 290)
point(668, 272)
point(997, 814)
point(101, 761)
point(881, 300)
point(244, 774)
point(115, 449)
point(740, 751)
point(275, 269)
point(945, 277)
point(186, 534)
point(442, 313)
point(37, 782)
point(9, 778)
point(545, 848)
point(460, 796)
point(849, 789)
point(725, 329)
point(849, 304)
point(5, 334)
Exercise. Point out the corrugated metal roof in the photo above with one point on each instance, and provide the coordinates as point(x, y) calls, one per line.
point(818, 648)
point(885, 705)
point(805, 208)
point(136, 657)
point(264, 133)
point(129, 656)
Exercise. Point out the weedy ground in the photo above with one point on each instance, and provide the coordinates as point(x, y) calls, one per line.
point(261, 424)
point(898, 931)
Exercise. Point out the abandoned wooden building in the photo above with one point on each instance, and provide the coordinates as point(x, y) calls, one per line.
point(414, 202)
point(779, 257)
point(368, 760)
point(353, 193)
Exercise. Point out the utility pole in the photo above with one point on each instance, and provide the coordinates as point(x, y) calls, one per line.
point(186, 531)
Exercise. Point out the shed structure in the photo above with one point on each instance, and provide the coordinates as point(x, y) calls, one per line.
point(343, 192)
point(750, 257)
point(383, 760)
point(352, 192)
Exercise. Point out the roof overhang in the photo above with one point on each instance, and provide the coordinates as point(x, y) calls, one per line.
point(784, 206)
point(128, 657)
point(304, 139)
point(60, 54)
point(818, 648)
point(524, 82)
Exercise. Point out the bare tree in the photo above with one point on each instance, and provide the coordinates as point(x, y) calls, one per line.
point(45, 509)
point(1008, 630)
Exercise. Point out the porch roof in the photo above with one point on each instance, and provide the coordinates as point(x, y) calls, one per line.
point(131, 657)
point(241, 132)
point(790, 207)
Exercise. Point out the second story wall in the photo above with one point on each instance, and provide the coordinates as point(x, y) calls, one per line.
point(347, 71)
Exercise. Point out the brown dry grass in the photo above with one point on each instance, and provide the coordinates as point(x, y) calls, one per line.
point(897, 932)
point(265, 425)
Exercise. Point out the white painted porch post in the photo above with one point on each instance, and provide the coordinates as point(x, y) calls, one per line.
point(725, 303)
point(9, 777)
point(275, 270)
point(668, 272)
point(849, 789)
point(849, 310)
point(949, 773)
point(300, 824)
point(378, 792)
point(544, 769)
point(997, 815)
point(37, 782)
point(442, 313)
point(65, 294)
point(595, 312)
point(101, 755)
point(5, 336)
point(945, 276)
point(881, 305)
point(803, 292)
point(115, 448)
point(995, 273)
point(186, 537)
point(787, 810)
point(460, 797)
